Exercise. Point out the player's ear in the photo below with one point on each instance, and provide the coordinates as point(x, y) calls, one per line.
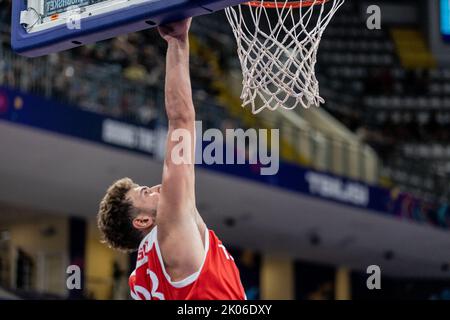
point(143, 221)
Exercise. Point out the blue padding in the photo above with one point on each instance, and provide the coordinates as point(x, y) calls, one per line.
point(106, 26)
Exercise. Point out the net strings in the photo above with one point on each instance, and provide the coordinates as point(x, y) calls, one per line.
point(278, 62)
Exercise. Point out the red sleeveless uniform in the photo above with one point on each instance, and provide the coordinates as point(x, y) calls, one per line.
point(217, 279)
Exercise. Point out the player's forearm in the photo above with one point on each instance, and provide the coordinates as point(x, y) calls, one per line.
point(179, 105)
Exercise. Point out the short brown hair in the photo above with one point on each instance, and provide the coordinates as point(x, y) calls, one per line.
point(115, 217)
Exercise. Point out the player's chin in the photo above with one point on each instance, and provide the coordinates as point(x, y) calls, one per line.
point(154, 208)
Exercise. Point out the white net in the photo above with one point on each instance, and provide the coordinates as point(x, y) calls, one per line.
point(277, 47)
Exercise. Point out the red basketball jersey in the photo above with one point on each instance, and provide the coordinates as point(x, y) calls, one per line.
point(217, 279)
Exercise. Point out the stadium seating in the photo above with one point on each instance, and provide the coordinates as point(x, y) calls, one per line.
point(362, 78)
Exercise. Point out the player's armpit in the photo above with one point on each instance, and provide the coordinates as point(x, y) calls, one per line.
point(182, 249)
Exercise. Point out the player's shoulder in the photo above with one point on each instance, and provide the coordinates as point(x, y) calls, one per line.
point(214, 240)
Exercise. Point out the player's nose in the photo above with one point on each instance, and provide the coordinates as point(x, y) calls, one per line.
point(156, 189)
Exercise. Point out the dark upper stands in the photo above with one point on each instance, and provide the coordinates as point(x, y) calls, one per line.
point(402, 112)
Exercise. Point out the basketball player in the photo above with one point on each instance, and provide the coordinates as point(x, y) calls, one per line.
point(178, 257)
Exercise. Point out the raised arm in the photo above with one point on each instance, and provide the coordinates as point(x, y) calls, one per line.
point(180, 225)
point(178, 174)
point(179, 105)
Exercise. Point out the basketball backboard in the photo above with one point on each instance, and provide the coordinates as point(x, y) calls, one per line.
point(41, 27)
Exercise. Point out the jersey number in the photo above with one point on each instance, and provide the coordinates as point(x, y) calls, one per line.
point(139, 291)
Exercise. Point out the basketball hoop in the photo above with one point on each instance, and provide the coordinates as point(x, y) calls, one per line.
point(277, 47)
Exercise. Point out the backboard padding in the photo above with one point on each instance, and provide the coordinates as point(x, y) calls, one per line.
point(134, 18)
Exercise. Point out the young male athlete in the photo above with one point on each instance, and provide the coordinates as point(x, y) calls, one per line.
point(178, 257)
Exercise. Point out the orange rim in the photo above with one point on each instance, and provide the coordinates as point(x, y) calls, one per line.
point(280, 5)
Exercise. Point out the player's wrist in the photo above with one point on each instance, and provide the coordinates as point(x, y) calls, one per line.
point(179, 40)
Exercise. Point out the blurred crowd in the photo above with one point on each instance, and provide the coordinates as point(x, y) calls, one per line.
point(138, 60)
point(392, 106)
point(122, 77)
point(368, 90)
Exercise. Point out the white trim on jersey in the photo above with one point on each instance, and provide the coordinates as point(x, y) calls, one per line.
point(190, 279)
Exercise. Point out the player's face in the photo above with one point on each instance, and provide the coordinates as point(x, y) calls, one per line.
point(145, 198)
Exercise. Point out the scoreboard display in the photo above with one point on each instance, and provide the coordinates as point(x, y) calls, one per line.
point(445, 19)
point(52, 7)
